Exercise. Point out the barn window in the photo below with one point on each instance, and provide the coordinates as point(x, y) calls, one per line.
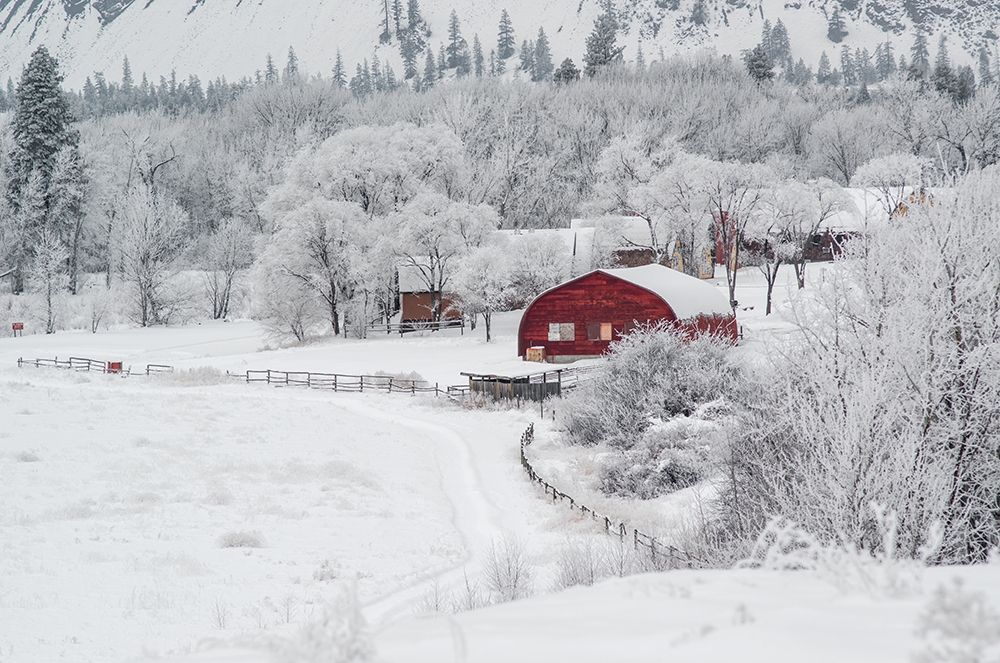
point(599, 331)
point(817, 240)
point(562, 331)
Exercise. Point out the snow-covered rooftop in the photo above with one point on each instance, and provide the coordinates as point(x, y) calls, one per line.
point(687, 296)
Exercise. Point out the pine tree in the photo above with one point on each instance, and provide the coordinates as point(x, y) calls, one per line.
point(430, 70)
point(505, 37)
point(823, 72)
point(292, 67)
point(128, 82)
point(458, 49)
point(270, 70)
point(847, 66)
point(863, 66)
point(442, 62)
point(493, 63)
point(414, 19)
point(566, 73)
point(765, 37)
point(542, 59)
point(640, 58)
point(601, 47)
point(339, 73)
point(920, 57)
point(699, 12)
point(526, 60)
point(943, 77)
point(985, 69)
point(758, 64)
point(836, 27)
point(781, 46)
point(410, 52)
point(478, 61)
point(965, 85)
point(377, 78)
point(397, 16)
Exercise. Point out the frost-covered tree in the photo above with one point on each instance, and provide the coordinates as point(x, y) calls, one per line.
point(47, 277)
point(229, 251)
point(892, 178)
point(759, 64)
point(888, 390)
point(770, 236)
point(67, 216)
point(537, 263)
point(478, 62)
point(339, 72)
point(148, 241)
point(484, 283)
point(432, 233)
point(567, 72)
point(505, 37)
point(602, 48)
point(542, 58)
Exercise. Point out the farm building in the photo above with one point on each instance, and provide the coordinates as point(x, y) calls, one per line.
point(416, 302)
point(581, 317)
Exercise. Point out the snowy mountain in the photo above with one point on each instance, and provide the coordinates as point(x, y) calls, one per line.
point(233, 37)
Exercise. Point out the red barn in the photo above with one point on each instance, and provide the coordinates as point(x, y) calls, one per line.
point(580, 318)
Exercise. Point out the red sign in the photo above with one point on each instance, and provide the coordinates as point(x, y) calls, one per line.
point(18, 326)
point(114, 367)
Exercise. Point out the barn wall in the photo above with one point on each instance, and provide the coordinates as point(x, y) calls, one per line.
point(417, 307)
point(594, 298)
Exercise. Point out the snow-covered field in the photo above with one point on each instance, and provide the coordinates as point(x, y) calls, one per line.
point(171, 515)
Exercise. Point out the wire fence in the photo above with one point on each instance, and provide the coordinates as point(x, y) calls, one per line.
point(672, 556)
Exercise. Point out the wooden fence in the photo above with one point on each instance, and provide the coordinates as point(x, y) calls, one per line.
point(409, 327)
point(350, 383)
point(530, 387)
point(673, 557)
point(87, 365)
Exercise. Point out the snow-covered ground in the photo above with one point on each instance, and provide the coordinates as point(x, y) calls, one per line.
point(150, 516)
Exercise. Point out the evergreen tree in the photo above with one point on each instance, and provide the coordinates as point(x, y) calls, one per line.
point(601, 47)
point(765, 37)
point(128, 83)
point(505, 37)
point(397, 16)
point(920, 57)
point(442, 61)
point(566, 73)
point(964, 88)
point(781, 46)
point(943, 77)
point(640, 58)
point(527, 57)
point(847, 68)
point(824, 71)
point(478, 61)
point(270, 70)
point(758, 64)
point(863, 67)
point(493, 63)
point(430, 70)
point(41, 128)
point(339, 73)
point(386, 35)
point(836, 27)
point(985, 70)
point(542, 60)
point(457, 50)
point(699, 12)
point(360, 84)
point(292, 67)
point(863, 96)
point(803, 74)
point(410, 51)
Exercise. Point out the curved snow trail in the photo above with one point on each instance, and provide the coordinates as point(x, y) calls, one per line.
point(476, 517)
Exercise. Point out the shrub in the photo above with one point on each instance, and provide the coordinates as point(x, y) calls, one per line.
point(241, 539)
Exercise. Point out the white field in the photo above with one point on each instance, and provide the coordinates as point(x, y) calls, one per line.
point(117, 494)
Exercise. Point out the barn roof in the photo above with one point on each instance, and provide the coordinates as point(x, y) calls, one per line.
point(410, 279)
point(687, 296)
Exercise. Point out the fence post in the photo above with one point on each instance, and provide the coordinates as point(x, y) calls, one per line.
point(334, 382)
point(635, 539)
point(362, 384)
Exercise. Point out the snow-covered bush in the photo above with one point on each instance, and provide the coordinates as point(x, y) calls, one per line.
point(650, 375)
point(339, 635)
point(241, 539)
point(507, 570)
point(958, 625)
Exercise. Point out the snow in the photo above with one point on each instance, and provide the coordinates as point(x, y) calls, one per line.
point(687, 296)
point(232, 38)
point(117, 493)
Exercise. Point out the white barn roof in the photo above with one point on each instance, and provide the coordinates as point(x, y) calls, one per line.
point(687, 296)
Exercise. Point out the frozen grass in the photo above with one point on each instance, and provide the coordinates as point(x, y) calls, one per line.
point(241, 539)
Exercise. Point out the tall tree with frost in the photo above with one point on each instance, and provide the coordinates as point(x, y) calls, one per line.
point(47, 278)
point(567, 72)
point(41, 128)
point(430, 70)
point(543, 66)
point(270, 70)
point(339, 72)
point(986, 77)
point(505, 37)
point(920, 57)
point(601, 47)
point(478, 62)
point(836, 27)
point(527, 58)
point(67, 190)
point(292, 67)
point(484, 284)
point(758, 64)
point(824, 71)
point(458, 49)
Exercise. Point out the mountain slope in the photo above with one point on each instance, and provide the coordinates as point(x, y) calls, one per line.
point(233, 37)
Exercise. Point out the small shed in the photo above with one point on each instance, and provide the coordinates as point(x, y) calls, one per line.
point(580, 318)
point(416, 302)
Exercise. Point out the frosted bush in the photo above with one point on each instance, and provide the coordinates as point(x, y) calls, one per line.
point(340, 635)
point(958, 625)
point(507, 570)
point(26, 457)
point(241, 539)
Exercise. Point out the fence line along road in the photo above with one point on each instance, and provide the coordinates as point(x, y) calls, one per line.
point(673, 556)
point(351, 383)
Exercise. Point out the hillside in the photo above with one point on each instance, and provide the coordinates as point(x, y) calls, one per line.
point(233, 37)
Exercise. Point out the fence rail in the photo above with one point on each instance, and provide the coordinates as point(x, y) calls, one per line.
point(411, 326)
point(348, 383)
point(87, 365)
point(673, 556)
point(531, 386)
